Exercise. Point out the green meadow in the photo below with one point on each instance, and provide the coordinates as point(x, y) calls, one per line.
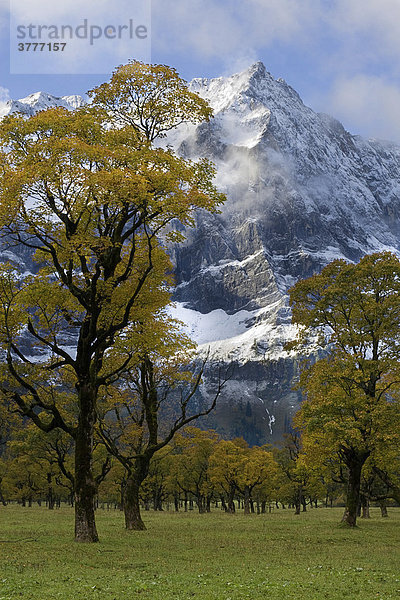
point(211, 557)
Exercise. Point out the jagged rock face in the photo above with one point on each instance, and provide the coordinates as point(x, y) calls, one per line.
point(301, 191)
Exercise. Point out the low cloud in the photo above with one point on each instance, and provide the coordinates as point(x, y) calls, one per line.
point(4, 95)
point(346, 51)
point(4, 98)
point(341, 55)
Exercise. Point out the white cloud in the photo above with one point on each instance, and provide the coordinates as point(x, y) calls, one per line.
point(4, 95)
point(368, 103)
point(358, 36)
point(229, 30)
point(379, 20)
point(362, 30)
point(351, 45)
point(4, 98)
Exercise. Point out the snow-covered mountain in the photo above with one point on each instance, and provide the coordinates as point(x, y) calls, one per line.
point(301, 191)
point(39, 101)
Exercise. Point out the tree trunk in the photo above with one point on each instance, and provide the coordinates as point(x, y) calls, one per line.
point(208, 504)
point(383, 507)
point(355, 461)
point(133, 519)
point(201, 503)
point(135, 478)
point(297, 503)
point(157, 500)
point(85, 486)
point(365, 507)
point(50, 493)
point(246, 500)
point(231, 496)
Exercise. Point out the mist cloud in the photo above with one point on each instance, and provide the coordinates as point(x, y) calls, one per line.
point(4, 98)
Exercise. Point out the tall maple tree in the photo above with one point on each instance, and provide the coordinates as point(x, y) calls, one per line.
point(351, 403)
point(89, 194)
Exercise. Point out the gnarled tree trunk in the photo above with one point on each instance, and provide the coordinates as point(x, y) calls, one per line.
point(246, 500)
point(135, 478)
point(355, 462)
point(383, 507)
point(133, 518)
point(85, 486)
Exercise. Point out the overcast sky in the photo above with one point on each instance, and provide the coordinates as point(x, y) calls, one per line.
point(342, 56)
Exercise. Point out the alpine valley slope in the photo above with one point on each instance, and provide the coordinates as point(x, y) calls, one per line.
point(301, 191)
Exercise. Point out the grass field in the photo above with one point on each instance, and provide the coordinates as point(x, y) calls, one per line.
point(213, 556)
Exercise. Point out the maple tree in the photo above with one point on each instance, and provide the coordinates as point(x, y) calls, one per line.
point(294, 472)
point(191, 466)
point(38, 465)
point(351, 403)
point(141, 413)
point(238, 469)
point(89, 194)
